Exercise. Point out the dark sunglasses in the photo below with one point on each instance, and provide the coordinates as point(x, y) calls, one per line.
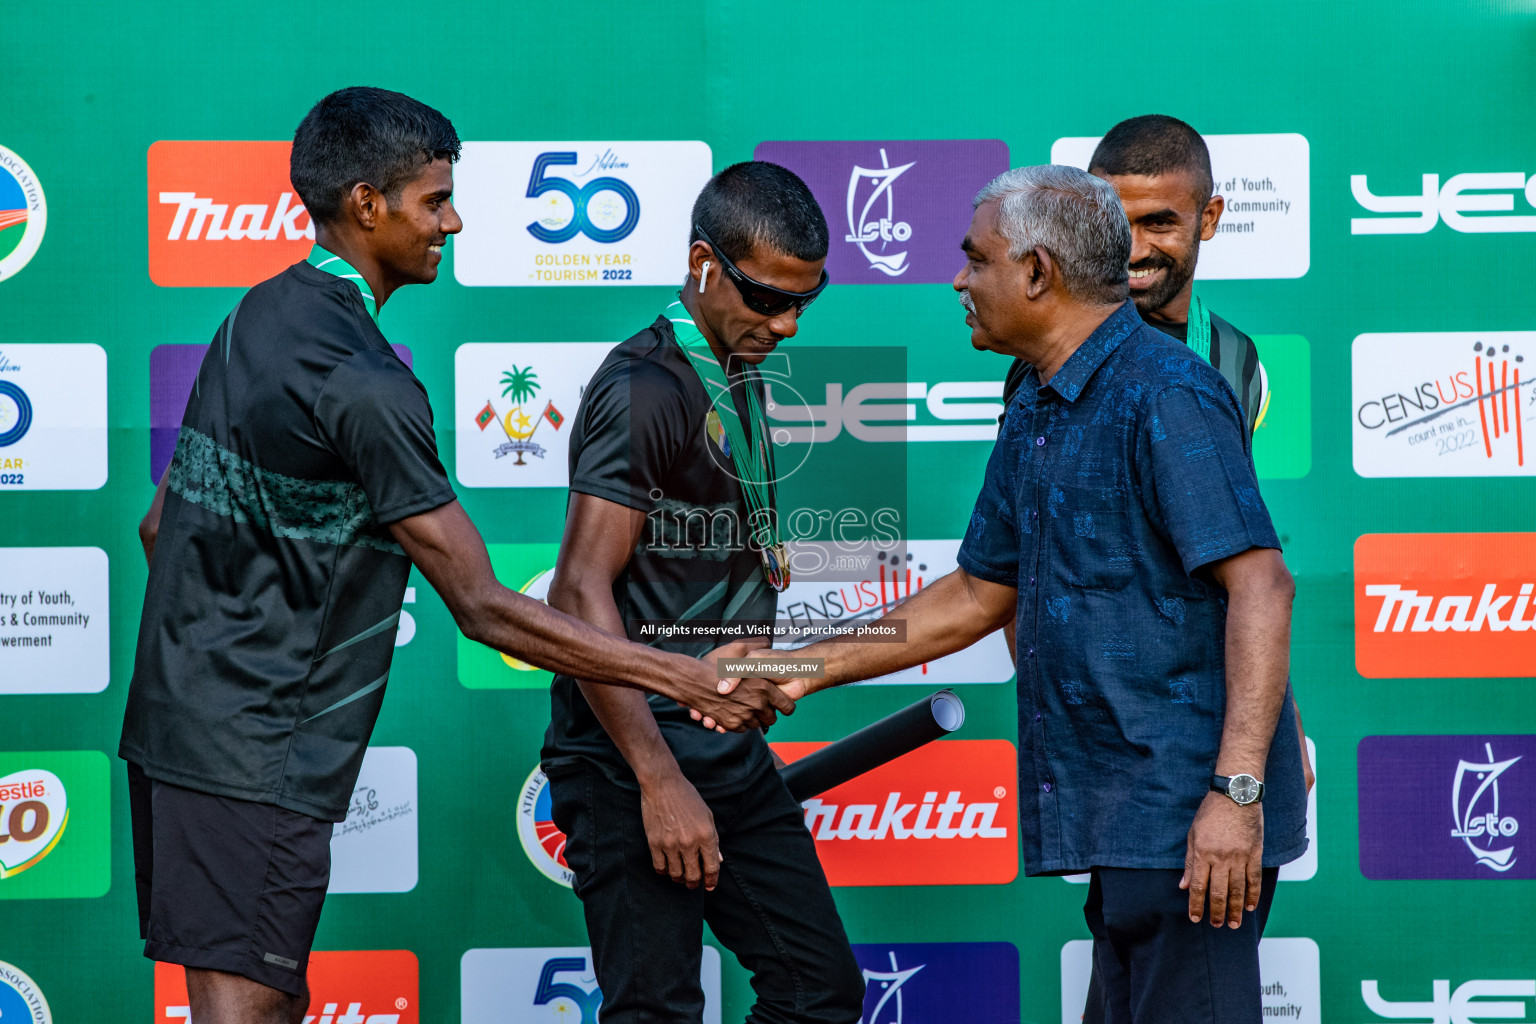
point(763, 298)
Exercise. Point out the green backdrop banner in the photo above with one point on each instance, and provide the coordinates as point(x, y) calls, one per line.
point(1381, 194)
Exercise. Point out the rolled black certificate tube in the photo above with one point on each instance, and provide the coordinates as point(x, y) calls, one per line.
point(872, 746)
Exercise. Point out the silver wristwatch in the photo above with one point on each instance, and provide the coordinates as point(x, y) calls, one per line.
point(1243, 788)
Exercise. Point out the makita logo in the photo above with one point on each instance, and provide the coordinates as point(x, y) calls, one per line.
point(1487, 198)
point(952, 819)
point(331, 1013)
point(346, 986)
point(250, 220)
point(1444, 605)
point(1420, 613)
point(945, 814)
point(223, 214)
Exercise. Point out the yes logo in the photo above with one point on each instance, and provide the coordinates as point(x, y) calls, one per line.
point(1458, 1007)
point(54, 824)
point(1462, 194)
point(551, 985)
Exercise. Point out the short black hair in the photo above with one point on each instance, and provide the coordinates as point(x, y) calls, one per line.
point(362, 134)
point(1154, 144)
point(756, 203)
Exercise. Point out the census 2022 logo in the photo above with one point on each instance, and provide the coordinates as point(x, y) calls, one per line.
point(1447, 807)
point(1472, 203)
point(20, 998)
point(1472, 1002)
point(1451, 404)
point(870, 583)
point(513, 406)
point(23, 213)
point(223, 214)
point(897, 210)
point(576, 213)
point(551, 985)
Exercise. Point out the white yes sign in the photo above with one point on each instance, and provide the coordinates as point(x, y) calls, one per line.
point(1447, 1007)
point(1462, 194)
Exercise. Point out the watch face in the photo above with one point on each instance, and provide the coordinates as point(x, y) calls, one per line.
point(1244, 789)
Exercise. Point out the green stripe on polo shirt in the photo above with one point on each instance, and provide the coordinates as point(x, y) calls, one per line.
point(324, 259)
point(210, 476)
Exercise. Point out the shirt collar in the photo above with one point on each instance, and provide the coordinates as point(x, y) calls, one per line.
point(1069, 381)
point(324, 259)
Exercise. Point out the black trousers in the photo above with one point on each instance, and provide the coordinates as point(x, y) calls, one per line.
point(772, 908)
point(1153, 965)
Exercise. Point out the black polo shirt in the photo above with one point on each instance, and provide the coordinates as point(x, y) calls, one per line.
point(641, 440)
point(269, 619)
point(1233, 354)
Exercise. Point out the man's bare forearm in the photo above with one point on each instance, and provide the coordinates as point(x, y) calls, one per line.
point(949, 615)
point(1258, 642)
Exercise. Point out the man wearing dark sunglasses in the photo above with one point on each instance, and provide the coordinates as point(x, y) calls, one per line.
point(670, 825)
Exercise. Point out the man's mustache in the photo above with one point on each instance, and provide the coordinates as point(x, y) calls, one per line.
point(965, 300)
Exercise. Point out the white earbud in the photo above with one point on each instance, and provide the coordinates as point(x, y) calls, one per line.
point(703, 277)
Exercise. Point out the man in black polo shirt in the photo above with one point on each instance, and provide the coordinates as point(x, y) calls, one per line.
point(305, 483)
point(1161, 169)
point(670, 825)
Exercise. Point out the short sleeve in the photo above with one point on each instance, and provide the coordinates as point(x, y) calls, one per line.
point(990, 550)
point(634, 418)
point(1199, 473)
point(374, 414)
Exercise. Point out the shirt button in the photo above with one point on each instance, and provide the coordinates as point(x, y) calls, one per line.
point(1039, 715)
point(1031, 650)
point(1046, 786)
point(1039, 442)
point(1031, 579)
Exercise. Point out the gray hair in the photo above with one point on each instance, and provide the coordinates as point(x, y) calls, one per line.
point(1072, 215)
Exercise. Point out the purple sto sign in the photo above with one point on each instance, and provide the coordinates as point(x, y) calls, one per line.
point(896, 211)
point(1447, 806)
point(172, 372)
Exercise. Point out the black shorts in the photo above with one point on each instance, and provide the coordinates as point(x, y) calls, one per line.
point(225, 884)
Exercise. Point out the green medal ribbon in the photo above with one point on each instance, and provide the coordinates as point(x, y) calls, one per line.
point(753, 461)
point(322, 259)
point(1199, 336)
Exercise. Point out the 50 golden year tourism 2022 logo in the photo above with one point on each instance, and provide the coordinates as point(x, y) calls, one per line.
point(23, 213)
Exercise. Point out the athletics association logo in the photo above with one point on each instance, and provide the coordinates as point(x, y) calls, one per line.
point(1450, 404)
point(577, 213)
point(925, 981)
point(905, 204)
point(513, 403)
point(20, 998)
point(223, 214)
point(945, 814)
point(542, 839)
point(1405, 832)
point(23, 213)
point(1476, 203)
point(369, 986)
point(34, 811)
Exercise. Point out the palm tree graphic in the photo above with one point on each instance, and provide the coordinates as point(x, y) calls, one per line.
point(520, 385)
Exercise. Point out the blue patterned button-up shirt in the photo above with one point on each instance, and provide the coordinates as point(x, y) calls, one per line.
point(1111, 491)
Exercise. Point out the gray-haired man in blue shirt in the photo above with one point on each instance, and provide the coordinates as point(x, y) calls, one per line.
point(1121, 531)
